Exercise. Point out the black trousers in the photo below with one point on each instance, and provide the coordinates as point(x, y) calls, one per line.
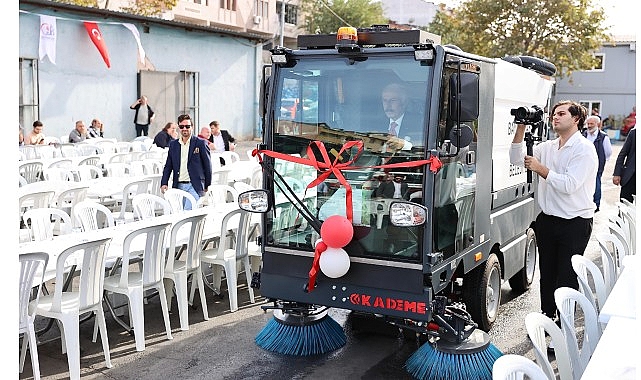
point(558, 240)
point(629, 188)
point(142, 130)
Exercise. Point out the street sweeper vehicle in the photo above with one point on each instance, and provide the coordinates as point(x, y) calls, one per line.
point(387, 189)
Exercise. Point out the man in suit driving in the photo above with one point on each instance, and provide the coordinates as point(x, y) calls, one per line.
point(190, 161)
point(400, 122)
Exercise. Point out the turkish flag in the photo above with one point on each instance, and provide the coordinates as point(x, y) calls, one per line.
point(98, 40)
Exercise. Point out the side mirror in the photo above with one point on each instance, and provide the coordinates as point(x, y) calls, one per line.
point(254, 200)
point(464, 96)
point(461, 136)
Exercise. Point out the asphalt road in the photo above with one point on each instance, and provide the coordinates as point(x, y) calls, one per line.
point(224, 348)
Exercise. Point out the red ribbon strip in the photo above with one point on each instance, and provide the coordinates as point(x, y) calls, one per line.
point(320, 248)
point(328, 167)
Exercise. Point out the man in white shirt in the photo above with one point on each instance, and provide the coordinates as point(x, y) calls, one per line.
point(603, 148)
point(567, 167)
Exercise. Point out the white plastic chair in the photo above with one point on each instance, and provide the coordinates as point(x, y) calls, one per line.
point(21, 181)
point(42, 222)
point(537, 325)
point(257, 177)
point(118, 169)
point(130, 190)
point(46, 151)
point(230, 157)
point(91, 216)
point(133, 284)
point(67, 199)
point(123, 146)
point(612, 253)
point(86, 172)
point(61, 163)
point(121, 157)
point(31, 171)
point(220, 175)
point(223, 257)
point(217, 194)
point(67, 306)
point(39, 199)
point(147, 206)
point(622, 232)
point(69, 150)
point(58, 174)
point(628, 213)
point(178, 200)
point(107, 146)
point(32, 269)
point(583, 267)
point(515, 367)
point(91, 160)
point(177, 271)
point(141, 168)
point(154, 185)
point(88, 149)
point(566, 300)
point(29, 152)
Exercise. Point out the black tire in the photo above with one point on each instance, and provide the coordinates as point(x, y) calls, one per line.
point(482, 292)
point(522, 280)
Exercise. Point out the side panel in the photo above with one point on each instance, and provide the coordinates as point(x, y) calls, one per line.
point(514, 87)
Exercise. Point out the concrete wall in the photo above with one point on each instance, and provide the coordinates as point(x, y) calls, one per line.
point(80, 86)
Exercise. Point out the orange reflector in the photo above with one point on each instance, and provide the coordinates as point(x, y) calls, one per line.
point(478, 256)
point(346, 34)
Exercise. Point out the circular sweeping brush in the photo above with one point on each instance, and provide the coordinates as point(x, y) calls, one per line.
point(301, 335)
point(471, 359)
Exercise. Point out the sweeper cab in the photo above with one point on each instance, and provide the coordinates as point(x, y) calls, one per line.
point(387, 188)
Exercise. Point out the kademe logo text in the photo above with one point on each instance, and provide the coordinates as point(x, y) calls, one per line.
point(387, 303)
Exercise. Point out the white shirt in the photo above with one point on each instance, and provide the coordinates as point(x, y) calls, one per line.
point(219, 143)
point(398, 122)
point(184, 157)
point(568, 190)
point(397, 190)
point(607, 145)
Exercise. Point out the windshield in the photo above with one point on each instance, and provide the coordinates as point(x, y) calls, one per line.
point(378, 101)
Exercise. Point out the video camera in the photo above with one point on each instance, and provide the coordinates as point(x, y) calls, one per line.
point(532, 116)
point(527, 115)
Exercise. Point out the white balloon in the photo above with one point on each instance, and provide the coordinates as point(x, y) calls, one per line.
point(334, 262)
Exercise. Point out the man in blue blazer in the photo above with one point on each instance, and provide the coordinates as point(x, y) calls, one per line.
point(190, 161)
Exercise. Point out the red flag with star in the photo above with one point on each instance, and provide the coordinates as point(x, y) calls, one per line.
point(98, 40)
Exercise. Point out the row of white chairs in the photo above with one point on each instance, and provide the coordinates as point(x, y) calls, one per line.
point(155, 273)
point(62, 148)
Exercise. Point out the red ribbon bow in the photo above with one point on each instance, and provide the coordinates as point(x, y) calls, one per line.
point(328, 167)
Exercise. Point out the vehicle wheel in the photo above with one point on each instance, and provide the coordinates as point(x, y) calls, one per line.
point(482, 292)
point(522, 280)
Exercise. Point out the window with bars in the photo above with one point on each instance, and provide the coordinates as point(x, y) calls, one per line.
point(291, 13)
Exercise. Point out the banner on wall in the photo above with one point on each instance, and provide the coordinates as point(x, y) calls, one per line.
point(48, 32)
point(98, 40)
point(141, 51)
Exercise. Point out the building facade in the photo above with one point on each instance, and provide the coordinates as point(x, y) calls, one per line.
point(203, 58)
point(610, 87)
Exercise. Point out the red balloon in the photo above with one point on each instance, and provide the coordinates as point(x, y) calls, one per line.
point(337, 231)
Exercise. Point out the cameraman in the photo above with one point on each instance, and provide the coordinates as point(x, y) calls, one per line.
point(567, 166)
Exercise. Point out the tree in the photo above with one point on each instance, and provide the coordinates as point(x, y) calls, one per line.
point(139, 7)
point(564, 32)
point(326, 16)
